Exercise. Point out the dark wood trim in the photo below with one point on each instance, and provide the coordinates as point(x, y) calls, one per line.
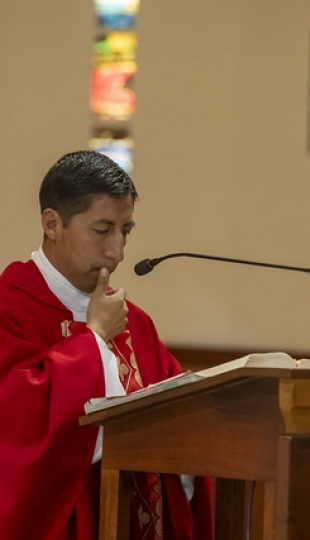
point(200, 358)
point(196, 358)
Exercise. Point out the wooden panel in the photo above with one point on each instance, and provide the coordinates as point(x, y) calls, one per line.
point(293, 505)
point(229, 499)
point(228, 428)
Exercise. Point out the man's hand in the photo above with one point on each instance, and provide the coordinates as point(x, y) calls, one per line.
point(107, 310)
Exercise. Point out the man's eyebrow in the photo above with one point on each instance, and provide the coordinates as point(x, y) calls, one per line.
point(103, 221)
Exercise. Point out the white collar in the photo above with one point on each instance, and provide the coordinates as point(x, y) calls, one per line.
point(74, 299)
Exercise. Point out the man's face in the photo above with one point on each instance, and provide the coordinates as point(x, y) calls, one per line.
point(92, 239)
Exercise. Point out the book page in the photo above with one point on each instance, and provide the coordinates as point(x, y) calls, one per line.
point(97, 404)
point(257, 360)
point(303, 363)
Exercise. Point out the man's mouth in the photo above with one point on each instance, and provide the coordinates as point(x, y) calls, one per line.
point(109, 267)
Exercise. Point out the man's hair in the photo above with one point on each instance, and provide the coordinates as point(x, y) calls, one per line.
point(74, 181)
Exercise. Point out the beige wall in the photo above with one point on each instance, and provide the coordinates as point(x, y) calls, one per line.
point(222, 168)
point(221, 162)
point(44, 77)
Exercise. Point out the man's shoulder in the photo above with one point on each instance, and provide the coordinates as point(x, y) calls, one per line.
point(24, 279)
point(139, 319)
point(18, 274)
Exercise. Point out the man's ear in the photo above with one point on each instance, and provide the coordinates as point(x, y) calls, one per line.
point(51, 223)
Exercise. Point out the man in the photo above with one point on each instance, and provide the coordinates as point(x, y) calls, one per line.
point(66, 337)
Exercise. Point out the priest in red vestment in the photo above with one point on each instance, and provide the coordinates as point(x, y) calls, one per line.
point(66, 336)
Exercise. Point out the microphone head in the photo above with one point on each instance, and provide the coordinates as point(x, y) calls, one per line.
point(143, 267)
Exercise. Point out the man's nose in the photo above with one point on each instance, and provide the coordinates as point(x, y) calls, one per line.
point(116, 247)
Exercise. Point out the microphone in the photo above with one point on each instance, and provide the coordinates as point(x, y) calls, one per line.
point(147, 265)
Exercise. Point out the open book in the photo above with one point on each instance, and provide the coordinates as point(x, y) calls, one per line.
point(255, 360)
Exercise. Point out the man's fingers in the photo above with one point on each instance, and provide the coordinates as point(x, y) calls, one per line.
point(121, 293)
point(102, 281)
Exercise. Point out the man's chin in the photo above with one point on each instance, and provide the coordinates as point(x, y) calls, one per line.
point(90, 283)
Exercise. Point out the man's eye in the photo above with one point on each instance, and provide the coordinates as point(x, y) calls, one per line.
point(126, 234)
point(101, 231)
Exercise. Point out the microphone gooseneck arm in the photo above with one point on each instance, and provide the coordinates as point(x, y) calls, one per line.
point(147, 265)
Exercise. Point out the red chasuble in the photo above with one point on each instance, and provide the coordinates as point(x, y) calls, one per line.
point(48, 488)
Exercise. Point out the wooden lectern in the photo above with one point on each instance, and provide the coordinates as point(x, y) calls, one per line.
point(249, 424)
